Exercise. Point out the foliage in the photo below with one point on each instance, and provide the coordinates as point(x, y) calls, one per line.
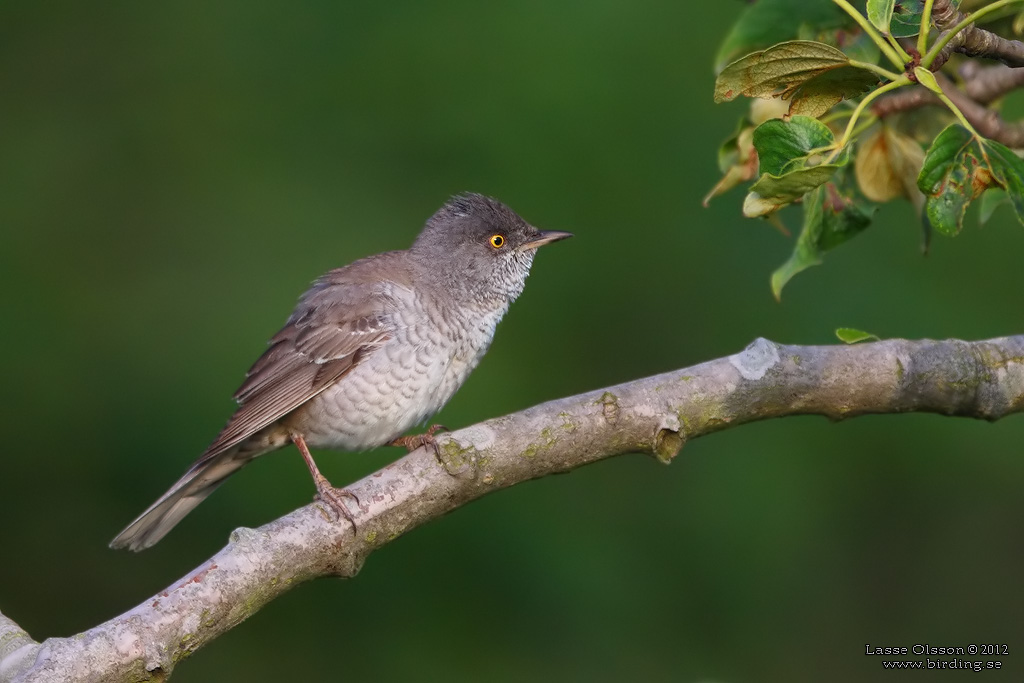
point(958, 168)
point(837, 103)
point(851, 335)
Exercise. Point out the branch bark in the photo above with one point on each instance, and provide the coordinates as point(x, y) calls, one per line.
point(987, 121)
point(655, 415)
point(985, 84)
point(973, 41)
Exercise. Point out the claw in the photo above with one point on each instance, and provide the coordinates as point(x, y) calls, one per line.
point(414, 441)
point(325, 491)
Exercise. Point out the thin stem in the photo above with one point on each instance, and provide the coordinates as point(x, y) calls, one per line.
point(926, 24)
point(899, 49)
point(959, 114)
point(869, 121)
point(832, 116)
point(848, 133)
point(884, 73)
point(928, 80)
point(967, 21)
point(872, 33)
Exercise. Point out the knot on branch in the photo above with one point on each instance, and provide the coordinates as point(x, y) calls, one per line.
point(610, 409)
point(668, 440)
point(972, 41)
point(754, 362)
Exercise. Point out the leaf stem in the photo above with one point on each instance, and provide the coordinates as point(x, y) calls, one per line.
point(967, 21)
point(832, 116)
point(848, 133)
point(906, 58)
point(927, 79)
point(872, 33)
point(869, 121)
point(926, 24)
point(884, 73)
point(959, 114)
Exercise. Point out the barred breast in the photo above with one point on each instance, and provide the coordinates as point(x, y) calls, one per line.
point(407, 380)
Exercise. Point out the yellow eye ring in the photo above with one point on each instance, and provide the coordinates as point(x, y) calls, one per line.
point(497, 241)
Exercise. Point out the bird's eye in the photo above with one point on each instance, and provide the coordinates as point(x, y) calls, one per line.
point(497, 241)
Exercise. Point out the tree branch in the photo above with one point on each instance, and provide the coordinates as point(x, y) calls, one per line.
point(17, 649)
point(986, 121)
point(985, 84)
point(905, 100)
point(655, 415)
point(973, 41)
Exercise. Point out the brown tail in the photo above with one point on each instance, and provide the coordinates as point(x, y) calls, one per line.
point(202, 478)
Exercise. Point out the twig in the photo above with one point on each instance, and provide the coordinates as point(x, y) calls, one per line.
point(972, 41)
point(985, 84)
point(987, 121)
point(905, 100)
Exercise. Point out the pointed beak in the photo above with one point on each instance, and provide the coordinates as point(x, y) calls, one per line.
point(546, 237)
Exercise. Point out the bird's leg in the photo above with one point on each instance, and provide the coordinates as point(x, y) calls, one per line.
point(414, 441)
point(324, 489)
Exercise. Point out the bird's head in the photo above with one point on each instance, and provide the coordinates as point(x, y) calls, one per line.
point(478, 244)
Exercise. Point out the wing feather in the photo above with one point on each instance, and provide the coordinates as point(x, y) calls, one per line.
point(335, 326)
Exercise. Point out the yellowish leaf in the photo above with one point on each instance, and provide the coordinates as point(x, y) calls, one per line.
point(765, 110)
point(875, 175)
point(812, 76)
point(906, 157)
point(887, 166)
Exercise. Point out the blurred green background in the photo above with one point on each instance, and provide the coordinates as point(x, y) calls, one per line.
point(173, 175)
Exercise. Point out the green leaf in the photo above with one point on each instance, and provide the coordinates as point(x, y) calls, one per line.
point(781, 143)
point(851, 335)
point(767, 22)
point(814, 76)
point(771, 193)
point(830, 218)
point(990, 201)
point(958, 167)
point(1008, 171)
point(791, 155)
point(927, 79)
point(906, 18)
point(880, 13)
point(947, 178)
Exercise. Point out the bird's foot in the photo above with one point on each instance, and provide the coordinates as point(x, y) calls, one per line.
point(325, 491)
point(417, 440)
point(414, 441)
point(334, 497)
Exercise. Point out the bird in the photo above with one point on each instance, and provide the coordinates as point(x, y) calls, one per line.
point(371, 350)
